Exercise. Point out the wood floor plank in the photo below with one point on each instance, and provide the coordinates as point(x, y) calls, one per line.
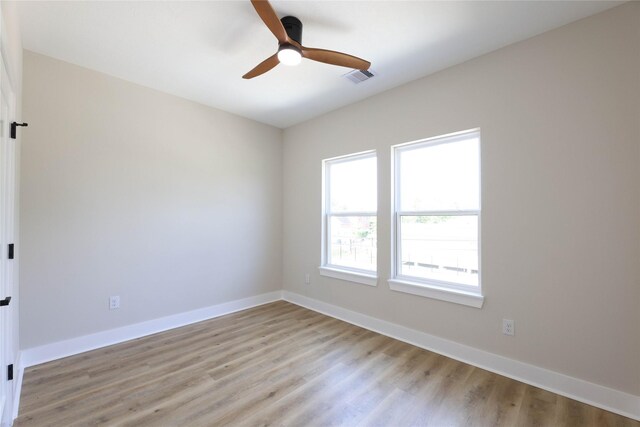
point(283, 365)
point(504, 403)
point(199, 355)
point(538, 408)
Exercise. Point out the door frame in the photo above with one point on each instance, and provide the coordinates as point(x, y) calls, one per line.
point(8, 210)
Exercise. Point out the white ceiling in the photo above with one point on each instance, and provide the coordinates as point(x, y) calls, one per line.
point(200, 50)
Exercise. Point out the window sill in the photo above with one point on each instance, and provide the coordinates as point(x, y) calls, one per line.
point(349, 276)
point(430, 291)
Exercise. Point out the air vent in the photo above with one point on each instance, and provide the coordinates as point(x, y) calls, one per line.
point(358, 76)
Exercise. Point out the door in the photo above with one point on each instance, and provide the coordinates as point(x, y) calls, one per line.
point(7, 211)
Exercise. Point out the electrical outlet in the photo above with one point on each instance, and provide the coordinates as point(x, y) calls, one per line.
point(114, 302)
point(508, 327)
point(307, 279)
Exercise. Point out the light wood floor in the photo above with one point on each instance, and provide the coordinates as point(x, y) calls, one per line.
point(280, 364)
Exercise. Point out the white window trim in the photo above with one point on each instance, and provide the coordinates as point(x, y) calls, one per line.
point(431, 291)
point(349, 275)
point(365, 277)
point(431, 288)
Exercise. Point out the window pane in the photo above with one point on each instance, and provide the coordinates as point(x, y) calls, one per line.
point(353, 185)
point(440, 247)
point(441, 177)
point(353, 242)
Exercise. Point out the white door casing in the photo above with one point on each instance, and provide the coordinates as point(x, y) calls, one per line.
point(7, 230)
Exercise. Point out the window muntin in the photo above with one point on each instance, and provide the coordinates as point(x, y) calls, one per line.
point(350, 213)
point(437, 212)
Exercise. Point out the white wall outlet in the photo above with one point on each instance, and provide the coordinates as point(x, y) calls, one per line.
point(114, 302)
point(508, 327)
point(307, 279)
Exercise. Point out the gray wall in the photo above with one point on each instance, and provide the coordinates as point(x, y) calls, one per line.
point(559, 115)
point(127, 191)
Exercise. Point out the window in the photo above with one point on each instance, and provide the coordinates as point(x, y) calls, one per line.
point(437, 218)
point(350, 203)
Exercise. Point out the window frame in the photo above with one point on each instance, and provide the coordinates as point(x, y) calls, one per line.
point(352, 274)
point(432, 288)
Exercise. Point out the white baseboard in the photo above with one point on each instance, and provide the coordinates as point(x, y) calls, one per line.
point(606, 398)
point(57, 350)
point(602, 397)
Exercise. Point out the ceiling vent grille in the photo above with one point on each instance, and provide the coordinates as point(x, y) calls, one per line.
point(359, 76)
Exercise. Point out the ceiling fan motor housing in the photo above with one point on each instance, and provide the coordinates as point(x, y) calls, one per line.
point(293, 27)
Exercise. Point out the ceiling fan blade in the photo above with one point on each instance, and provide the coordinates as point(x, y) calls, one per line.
point(335, 58)
point(271, 20)
point(263, 67)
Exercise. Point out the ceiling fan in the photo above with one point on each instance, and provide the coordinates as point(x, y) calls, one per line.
point(288, 31)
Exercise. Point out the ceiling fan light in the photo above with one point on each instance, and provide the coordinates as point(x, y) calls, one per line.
point(289, 55)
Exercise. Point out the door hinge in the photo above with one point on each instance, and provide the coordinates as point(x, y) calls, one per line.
point(10, 251)
point(5, 301)
point(10, 372)
point(14, 125)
